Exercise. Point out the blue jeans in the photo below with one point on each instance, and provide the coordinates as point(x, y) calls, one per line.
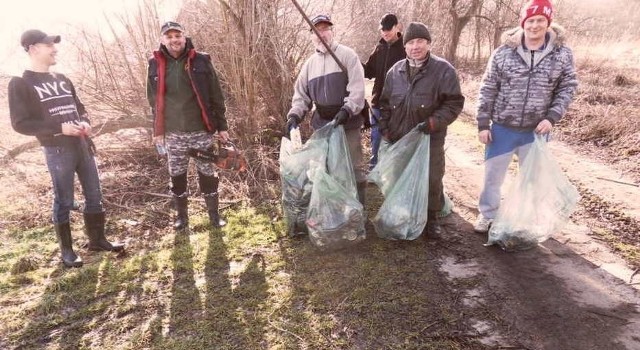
point(498, 155)
point(63, 163)
point(376, 136)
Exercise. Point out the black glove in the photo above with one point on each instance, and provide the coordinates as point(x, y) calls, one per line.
point(425, 127)
point(292, 122)
point(341, 117)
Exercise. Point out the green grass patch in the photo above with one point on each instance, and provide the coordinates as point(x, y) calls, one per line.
point(245, 286)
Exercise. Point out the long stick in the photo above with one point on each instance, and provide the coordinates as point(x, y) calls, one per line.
point(315, 31)
point(618, 182)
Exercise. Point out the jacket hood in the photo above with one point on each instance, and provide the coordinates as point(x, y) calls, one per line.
point(513, 37)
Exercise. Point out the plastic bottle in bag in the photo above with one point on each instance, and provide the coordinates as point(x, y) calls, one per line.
point(296, 138)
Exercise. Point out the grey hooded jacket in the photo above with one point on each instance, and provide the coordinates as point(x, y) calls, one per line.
point(322, 82)
point(520, 87)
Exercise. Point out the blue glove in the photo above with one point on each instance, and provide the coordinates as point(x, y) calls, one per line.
point(341, 117)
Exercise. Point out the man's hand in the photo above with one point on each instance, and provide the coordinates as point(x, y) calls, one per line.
point(425, 127)
point(70, 129)
point(86, 128)
point(544, 127)
point(223, 136)
point(485, 137)
point(292, 122)
point(341, 117)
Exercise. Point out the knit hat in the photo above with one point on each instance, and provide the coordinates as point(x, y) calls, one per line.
point(415, 30)
point(534, 8)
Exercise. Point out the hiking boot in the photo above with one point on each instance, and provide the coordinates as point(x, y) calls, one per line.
point(482, 224)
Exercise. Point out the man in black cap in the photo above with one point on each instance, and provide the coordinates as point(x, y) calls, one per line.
point(387, 52)
point(188, 109)
point(428, 91)
point(44, 104)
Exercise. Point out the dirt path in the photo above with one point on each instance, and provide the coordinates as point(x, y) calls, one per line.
point(570, 293)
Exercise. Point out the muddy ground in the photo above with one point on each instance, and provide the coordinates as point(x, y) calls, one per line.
point(572, 292)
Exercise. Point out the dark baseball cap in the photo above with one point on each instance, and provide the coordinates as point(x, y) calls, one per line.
point(35, 36)
point(167, 26)
point(321, 19)
point(388, 21)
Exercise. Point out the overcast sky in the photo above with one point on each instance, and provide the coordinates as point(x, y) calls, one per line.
point(57, 17)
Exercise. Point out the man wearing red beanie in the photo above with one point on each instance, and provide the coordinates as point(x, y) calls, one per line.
point(527, 87)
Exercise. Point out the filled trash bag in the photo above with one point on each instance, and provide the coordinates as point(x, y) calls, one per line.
point(328, 151)
point(402, 175)
point(296, 186)
point(335, 217)
point(539, 203)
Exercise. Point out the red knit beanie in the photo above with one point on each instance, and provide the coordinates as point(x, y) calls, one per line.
point(534, 8)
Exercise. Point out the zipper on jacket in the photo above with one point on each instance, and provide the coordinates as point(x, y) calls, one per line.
point(526, 95)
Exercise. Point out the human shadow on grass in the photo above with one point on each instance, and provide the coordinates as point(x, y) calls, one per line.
point(378, 295)
point(231, 314)
point(71, 305)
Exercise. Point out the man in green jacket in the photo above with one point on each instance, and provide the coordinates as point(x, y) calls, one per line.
point(188, 108)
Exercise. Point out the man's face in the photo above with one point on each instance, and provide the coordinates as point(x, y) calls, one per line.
point(326, 32)
point(535, 27)
point(175, 41)
point(390, 35)
point(44, 53)
point(417, 49)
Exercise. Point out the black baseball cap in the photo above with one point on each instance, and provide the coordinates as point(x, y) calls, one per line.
point(321, 19)
point(35, 36)
point(167, 26)
point(388, 21)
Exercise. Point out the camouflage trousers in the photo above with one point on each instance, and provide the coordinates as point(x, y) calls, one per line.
point(178, 144)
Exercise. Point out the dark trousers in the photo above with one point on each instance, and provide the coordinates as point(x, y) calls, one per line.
point(436, 173)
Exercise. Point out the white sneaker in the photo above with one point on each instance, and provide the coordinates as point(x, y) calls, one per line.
point(482, 224)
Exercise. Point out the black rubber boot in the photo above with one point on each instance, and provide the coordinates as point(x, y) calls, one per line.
point(69, 257)
point(212, 202)
point(94, 229)
point(181, 203)
point(362, 192)
point(209, 188)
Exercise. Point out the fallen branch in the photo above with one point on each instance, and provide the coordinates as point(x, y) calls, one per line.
point(618, 182)
point(100, 129)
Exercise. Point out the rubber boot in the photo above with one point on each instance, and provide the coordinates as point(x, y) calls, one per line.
point(209, 188)
point(94, 229)
point(212, 202)
point(69, 257)
point(181, 204)
point(362, 192)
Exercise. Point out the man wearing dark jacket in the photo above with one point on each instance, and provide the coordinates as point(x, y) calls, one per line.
point(45, 105)
point(188, 108)
point(422, 90)
point(387, 52)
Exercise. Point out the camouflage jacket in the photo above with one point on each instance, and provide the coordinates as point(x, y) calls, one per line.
point(520, 87)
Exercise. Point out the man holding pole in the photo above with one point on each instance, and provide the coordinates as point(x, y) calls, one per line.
point(332, 80)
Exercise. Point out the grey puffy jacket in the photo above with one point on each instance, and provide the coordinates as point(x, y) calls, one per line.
point(520, 88)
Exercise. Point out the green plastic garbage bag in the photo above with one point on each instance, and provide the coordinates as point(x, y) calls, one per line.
point(402, 175)
point(538, 204)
